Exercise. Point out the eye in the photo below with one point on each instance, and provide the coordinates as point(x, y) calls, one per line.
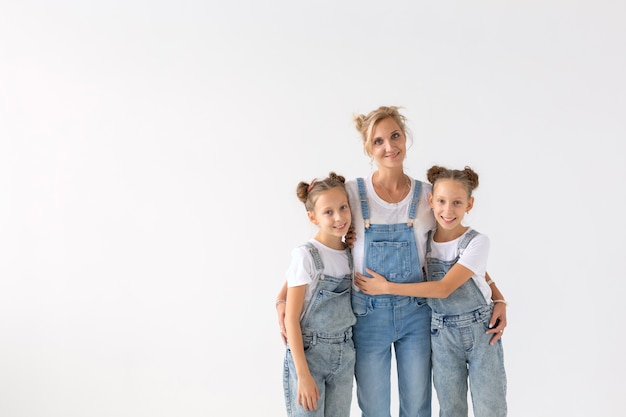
point(395, 135)
point(345, 207)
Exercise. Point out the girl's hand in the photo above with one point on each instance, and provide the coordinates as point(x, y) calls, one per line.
point(497, 317)
point(350, 237)
point(373, 286)
point(308, 394)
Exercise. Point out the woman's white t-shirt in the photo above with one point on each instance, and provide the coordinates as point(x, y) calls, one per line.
point(382, 212)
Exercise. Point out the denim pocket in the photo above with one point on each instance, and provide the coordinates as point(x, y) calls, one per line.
point(391, 259)
point(421, 302)
point(306, 344)
point(361, 305)
point(436, 275)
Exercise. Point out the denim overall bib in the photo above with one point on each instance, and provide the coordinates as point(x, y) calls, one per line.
point(327, 336)
point(386, 320)
point(460, 346)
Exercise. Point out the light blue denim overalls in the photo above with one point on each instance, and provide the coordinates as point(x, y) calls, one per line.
point(328, 347)
point(461, 348)
point(386, 320)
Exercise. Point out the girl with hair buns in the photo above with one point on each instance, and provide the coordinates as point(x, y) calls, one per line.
point(391, 219)
point(319, 360)
point(460, 299)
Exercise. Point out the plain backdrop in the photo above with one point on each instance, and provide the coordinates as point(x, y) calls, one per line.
point(149, 153)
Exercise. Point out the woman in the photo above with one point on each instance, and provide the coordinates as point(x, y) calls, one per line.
point(391, 218)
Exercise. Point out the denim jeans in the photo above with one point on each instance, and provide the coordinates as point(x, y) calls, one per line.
point(461, 352)
point(401, 322)
point(331, 362)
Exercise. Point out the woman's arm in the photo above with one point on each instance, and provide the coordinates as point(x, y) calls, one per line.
point(281, 304)
point(499, 312)
point(308, 393)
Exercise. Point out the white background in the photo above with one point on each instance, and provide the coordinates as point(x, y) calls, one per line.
point(149, 153)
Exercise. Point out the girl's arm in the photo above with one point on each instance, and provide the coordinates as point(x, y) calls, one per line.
point(281, 303)
point(455, 277)
point(308, 393)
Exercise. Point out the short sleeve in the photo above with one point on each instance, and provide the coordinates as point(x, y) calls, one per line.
point(301, 269)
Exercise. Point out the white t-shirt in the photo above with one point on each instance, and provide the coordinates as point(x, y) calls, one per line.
point(302, 270)
point(474, 258)
point(382, 212)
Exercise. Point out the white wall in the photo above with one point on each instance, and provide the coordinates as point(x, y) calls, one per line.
point(149, 153)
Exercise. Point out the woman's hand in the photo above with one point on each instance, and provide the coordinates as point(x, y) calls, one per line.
point(497, 322)
point(373, 286)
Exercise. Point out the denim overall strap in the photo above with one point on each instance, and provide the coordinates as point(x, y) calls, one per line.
point(467, 297)
point(462, 244)
point(365, 208)
point(328, 315)
point(465, 241)
point(414, 201)
point(428, 240)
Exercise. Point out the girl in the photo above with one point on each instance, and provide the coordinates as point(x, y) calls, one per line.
point(460, 299)
point(319, 362)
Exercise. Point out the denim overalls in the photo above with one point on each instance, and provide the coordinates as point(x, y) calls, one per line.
point(386, 320)
point(328, 347)
point(461, 348)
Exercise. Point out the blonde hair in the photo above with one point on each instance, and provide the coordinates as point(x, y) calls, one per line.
point(365, 124)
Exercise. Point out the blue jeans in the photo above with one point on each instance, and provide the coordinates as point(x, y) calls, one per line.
point(461, 351)
point(401, 322)
point(331, 362)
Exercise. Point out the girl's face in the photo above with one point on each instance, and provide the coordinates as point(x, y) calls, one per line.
point(450, 201)
point(388, 144)
point(332, 213)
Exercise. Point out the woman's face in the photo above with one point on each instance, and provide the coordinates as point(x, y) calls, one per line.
point(388, 144)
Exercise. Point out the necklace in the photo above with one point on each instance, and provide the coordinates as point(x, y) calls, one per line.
point(407, 187)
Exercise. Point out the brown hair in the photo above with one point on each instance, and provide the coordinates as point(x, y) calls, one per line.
point(308, 193)
point(466, 176)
